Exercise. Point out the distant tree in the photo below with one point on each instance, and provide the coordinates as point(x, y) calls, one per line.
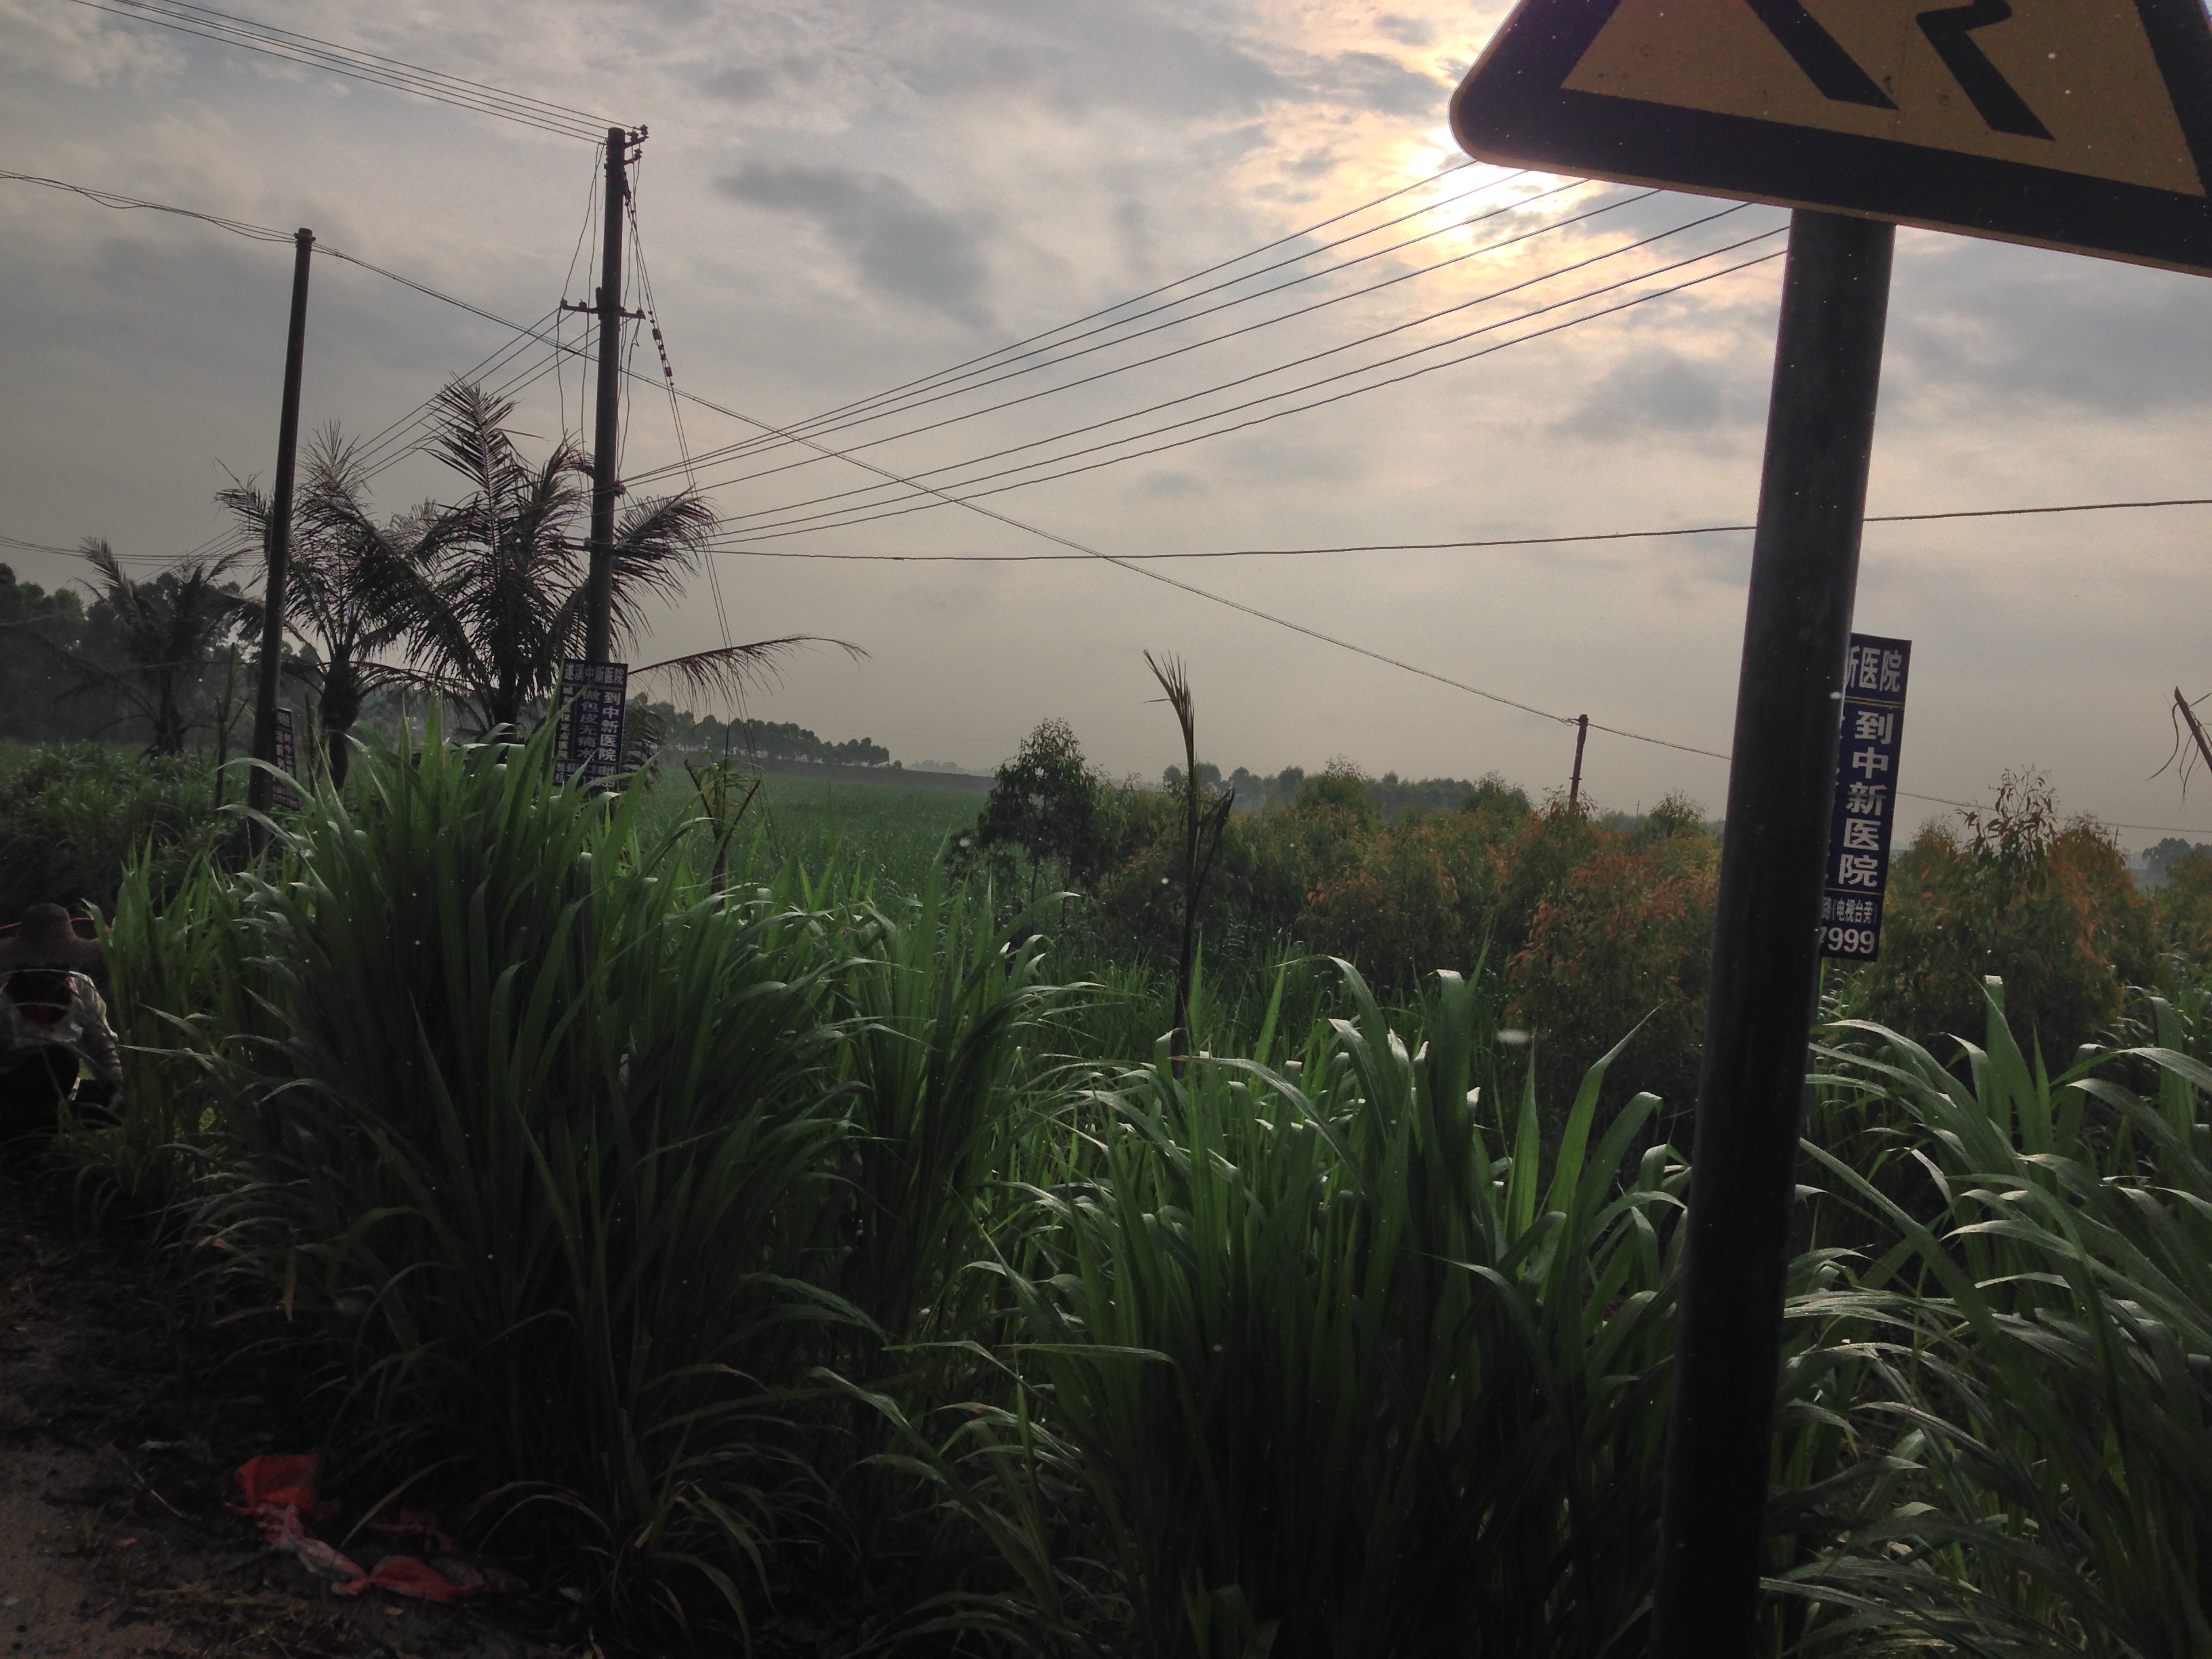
point(2159, 860)
point(1048, 803)
point(41, 629)
point(165, 635)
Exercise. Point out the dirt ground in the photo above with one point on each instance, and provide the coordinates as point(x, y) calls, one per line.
point(121, 1419)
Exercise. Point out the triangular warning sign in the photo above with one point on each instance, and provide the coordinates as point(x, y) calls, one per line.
point(2077, 124)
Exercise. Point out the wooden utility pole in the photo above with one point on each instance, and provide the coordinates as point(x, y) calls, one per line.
point(598, 597)
point(1575, 782)
point(259, 789)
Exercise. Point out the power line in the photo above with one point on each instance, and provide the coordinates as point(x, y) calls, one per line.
point(108, 198)
point(397, 438)
point(394, 73)
point(1433, 547)
point(981, 363)
point(1215, 340)
point(887, 403)
point(816, 522)
point(675, 407)
point(1296, 362)
point(1134, 564)
point(1007, 519)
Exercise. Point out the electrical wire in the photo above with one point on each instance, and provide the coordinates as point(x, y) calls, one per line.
point(991, 512)
point(382, 449)
point(1432, 547)
point(393, 73)
point(675, 405)
point(1134, 564)
point(983, 363)
point(575, 257)
point(1230, 334)
point(925, 393)
point(835, 519)
point(1296, 362)
point(108, 198)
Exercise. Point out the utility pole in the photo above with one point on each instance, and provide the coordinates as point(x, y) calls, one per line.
point(259, 789)
point(1574, 783)
point(599, 597)
point(1759, 1003)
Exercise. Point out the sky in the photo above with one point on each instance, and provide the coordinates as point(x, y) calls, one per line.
point(840, 198)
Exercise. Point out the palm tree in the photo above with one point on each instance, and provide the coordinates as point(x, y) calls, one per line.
point(496, 599)
point(343, 573)
point(166, 632)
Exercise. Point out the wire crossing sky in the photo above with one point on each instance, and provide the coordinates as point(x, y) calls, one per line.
point(1210, 284)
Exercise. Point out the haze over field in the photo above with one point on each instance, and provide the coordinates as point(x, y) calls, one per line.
point(838, 198)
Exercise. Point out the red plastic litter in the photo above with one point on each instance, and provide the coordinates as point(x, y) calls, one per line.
point(285, 1480)
point(403, 1575)
point(408, 1523)
point(324, 1562)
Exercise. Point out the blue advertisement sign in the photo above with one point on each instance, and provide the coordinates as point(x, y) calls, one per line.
point(588, 743)
point(1866, 797)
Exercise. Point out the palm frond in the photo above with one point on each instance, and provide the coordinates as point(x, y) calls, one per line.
point(730, 670)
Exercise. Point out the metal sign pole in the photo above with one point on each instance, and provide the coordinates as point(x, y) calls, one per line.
point(1804, 568)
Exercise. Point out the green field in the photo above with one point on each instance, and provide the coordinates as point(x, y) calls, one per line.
point(893, 829)
point(890, 831)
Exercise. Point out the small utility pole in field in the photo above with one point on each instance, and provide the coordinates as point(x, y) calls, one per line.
point(259, 788)
point(1574, 783)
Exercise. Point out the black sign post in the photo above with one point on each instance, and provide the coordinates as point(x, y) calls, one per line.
point(588, 739)
point(1865, 811)
point(2087, 128)
point(1759, 1004)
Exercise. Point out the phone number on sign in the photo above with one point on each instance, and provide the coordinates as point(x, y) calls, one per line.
point(1850, 941)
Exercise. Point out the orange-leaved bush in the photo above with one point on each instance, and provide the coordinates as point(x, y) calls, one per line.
point(2045, 905)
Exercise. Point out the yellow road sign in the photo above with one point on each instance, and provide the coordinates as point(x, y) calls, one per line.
point(2084, 125)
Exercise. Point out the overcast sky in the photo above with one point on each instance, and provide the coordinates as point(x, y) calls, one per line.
point(838, 198)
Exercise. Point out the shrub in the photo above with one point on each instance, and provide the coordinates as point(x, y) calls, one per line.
point(1625, 943)
point(2183, 907)
point(2046, 906)
point(73, 817)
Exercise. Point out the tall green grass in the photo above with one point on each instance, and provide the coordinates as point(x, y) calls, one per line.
point(544, 1147)
point(820, 1242)
point(2051, 1339)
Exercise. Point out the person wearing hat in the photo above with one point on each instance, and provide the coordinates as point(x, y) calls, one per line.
point(50, 1018)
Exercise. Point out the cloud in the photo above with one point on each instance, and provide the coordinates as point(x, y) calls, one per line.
point(1407, 31)
point(2005, 323)
point(1658, 391)
point(1095, 53)
point(1371, 81)
point(901, 246)
point(1176, 485)
point(746, 83)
